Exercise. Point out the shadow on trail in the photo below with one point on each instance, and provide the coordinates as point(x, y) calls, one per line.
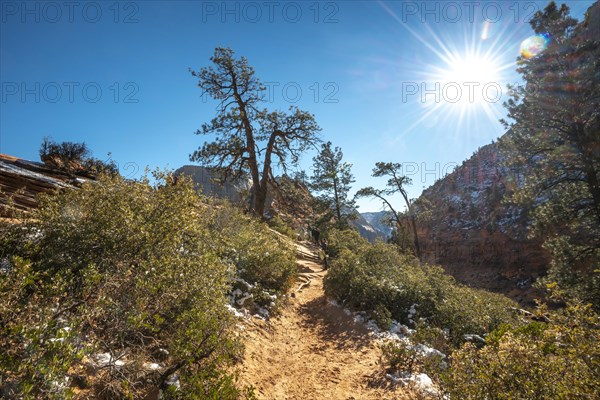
point(337, 329)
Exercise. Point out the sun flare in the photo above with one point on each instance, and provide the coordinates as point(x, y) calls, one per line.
point(471, 69)
point(464, 82)
point(470, 80)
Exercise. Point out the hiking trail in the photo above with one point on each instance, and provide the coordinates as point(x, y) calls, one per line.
point(313, 349)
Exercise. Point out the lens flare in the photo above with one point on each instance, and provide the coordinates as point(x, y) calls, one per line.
point(485, 32)
point(534, 45)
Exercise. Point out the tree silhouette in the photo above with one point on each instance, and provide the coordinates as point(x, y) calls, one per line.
point(249, 139)
point(396, 184)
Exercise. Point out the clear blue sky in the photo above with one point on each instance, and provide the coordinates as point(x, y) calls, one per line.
point(115, 75)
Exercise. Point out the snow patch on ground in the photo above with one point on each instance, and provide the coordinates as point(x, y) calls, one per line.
point(420, 381)
point(399, 332)
point(151, 366)
point(235, 311)
point(101, 360)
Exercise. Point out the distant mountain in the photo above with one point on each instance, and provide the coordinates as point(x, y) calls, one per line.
point(378, 221)
point(371, 227)
point(204, 180)
point(475, 235)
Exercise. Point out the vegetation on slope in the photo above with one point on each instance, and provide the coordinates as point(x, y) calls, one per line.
point(378, 279)
point(120, 289)
point(556, 359)
point(555, 127)
point(547, 355)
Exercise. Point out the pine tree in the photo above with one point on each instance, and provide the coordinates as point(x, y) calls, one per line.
point(331, 181)
point(555, 137)
point(396, 184)
point(249, 139)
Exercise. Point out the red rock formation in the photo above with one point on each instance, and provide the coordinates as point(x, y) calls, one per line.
point(475, 235)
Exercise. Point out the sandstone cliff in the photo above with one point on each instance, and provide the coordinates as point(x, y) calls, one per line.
point(235, 191)
point(475, 235)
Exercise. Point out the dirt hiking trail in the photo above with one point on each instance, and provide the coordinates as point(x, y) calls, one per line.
point(313, 349)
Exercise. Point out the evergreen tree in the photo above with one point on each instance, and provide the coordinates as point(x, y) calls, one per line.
point(249, 139)
point(396, 184)
point(331, 181)
point(555, 137)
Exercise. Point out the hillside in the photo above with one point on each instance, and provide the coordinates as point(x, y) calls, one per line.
point(204, 181)
point(371, 227)
point(474, 235)
point(291, 201)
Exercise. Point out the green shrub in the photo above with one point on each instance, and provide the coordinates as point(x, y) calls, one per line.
point(382, 316)
point(557, 360)
point(119, 267)
point(282, 227)
point(348, 239)
point(431, 336)
point(378, 279)
point(400, 355)
point(260, 256)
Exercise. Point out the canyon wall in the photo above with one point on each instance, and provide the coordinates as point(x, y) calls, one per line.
point(476, 234)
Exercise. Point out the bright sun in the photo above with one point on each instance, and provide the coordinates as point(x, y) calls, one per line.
point(470, 81)
point(472, 69)
point(463, 83)
point(463, 86)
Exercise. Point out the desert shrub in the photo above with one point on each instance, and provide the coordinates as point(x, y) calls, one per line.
point(382, 316)
point(463, 310)
point(348, 239)
point(73, 158)
point(282, 227)
point(378, 279)
point(260, 257)
point(432, 336)
point(400, 354)
point(122, 268)
point(555, 360)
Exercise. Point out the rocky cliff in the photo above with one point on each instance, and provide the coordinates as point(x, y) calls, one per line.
point(235, 191)
point(371, 226)
point(478, 237)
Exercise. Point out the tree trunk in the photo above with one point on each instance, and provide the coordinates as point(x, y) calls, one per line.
point(594, 187)
point(337, 202)
point(261, 190)
point(260, 199)
point(409, 210)
point(250, 143)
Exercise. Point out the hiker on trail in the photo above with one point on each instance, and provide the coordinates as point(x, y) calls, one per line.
point(315, 235)
point(325, 247)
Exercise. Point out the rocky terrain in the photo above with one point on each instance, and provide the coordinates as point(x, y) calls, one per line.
point(475, 235)
point(21, 180)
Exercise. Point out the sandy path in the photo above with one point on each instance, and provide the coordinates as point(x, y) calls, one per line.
point(313, 350)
